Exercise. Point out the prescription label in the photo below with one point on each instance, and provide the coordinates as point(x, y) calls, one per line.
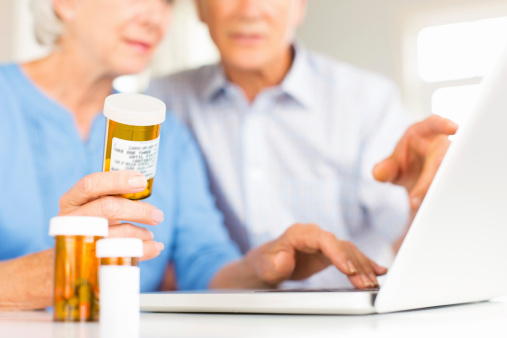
point(135, 156)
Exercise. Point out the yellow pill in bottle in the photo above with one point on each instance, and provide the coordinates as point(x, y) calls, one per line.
point(76, 284)
point(133, 135)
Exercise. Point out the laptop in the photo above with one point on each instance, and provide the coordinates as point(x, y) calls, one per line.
point(455, 251)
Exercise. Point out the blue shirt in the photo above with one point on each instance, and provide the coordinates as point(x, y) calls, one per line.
point(42, 155)
point(302, 151)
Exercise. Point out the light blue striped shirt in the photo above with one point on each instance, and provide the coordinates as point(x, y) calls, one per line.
point(303, 151)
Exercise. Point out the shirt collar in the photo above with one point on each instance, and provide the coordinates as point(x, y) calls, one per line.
point(216, 84)
point(296, 84)
point(298, 81)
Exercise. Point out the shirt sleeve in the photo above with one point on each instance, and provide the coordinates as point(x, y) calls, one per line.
point(386, 206)
point(202, 244)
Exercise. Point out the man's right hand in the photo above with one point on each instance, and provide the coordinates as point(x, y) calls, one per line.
point(94, 195)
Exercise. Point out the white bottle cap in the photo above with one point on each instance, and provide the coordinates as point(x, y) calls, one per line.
point(78, 226)
point(134, 109)
point(119, 247)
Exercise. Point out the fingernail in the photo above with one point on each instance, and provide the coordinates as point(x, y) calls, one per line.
point(158, 215)
point(373, 278)
point(152, 235)
point(367, 281)
point(416, 202)
point(138, 182)
point(159, 246)
point(352, 268)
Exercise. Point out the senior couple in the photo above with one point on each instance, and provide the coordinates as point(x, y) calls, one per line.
point(266, 169)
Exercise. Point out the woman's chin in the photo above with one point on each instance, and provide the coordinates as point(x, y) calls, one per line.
point(130, 69)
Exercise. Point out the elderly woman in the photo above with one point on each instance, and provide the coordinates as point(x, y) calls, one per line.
point(52, 135)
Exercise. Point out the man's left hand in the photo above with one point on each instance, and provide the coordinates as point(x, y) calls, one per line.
point(417, 157)
point(305, 249)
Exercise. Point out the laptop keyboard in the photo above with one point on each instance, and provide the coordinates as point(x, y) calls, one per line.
point(322, 290)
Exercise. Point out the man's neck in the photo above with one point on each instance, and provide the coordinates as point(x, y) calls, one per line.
point(252, 82)
point(74, 82)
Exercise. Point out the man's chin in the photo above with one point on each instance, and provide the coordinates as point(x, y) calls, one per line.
point(248, 62)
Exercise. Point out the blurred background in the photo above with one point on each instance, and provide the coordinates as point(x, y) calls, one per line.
point(437, 51)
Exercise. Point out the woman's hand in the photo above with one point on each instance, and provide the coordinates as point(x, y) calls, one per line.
point(94, 195)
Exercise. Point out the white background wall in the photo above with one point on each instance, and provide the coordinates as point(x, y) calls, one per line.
point(6, 27)
point(369, 33)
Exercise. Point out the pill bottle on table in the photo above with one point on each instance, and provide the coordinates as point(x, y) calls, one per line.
point(76, 267)
point(119, 277)
point(132, 136)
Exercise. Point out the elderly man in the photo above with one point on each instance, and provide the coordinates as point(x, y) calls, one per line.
point(290, 136)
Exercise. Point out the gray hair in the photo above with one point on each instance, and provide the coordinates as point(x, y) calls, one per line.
point(47, 25)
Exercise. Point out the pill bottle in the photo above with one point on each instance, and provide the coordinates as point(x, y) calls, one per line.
point(76, 267)
point(132, 136)
point(119, 277)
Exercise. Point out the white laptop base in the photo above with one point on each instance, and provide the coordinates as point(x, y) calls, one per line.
point(227, 301)
point(454, 252)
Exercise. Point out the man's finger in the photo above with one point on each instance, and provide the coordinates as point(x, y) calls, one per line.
point(430, 168)
point(379, 270)
point(118, 208)
point(363, 278)
point(93, 186)
point(340, 257)
point(283, 264)
point(369, 276)
point(271, 264)
point(301, 237)
point(387, 170)
point(358, 282)
point(436, 124)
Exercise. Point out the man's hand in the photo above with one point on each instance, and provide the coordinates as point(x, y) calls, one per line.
point(417, 157)
point(303, 250)
point(94, 196)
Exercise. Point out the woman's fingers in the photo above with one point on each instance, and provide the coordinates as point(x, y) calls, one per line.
point(127, 230)
point(96, 185)
point(151, 248)
point(94, 196)
point(118, 208)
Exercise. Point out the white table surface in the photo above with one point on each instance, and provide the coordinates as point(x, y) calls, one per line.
point(488, 319)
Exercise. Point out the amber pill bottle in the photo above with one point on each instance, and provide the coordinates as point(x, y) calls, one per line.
point(76, 288)
point(132, 136)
